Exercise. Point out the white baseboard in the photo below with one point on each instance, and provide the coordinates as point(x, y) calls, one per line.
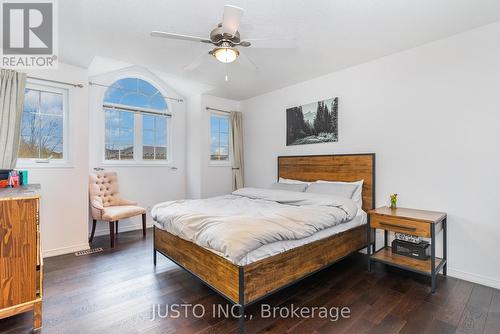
point(104, 228)
point(475, 278)
point(65, 250)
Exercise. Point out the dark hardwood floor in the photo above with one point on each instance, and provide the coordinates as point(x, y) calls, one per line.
point(114, 292)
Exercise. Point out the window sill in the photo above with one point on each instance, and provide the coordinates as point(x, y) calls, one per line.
point(43, 165)
point(137, 164)
point(220, 164)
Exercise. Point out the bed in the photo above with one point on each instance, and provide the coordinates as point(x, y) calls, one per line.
point(247, 282)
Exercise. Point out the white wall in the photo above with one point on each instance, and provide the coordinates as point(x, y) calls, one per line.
point(146, 184)
point(205, 179)
point(431, 114)
point(64, 202)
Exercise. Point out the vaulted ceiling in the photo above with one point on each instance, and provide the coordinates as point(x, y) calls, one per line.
point(329, 34)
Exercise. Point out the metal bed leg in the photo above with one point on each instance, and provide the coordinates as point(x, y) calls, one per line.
point(433, 258)
point(154, 248)
point(241, 297)
point(369, 245)
point(445, 246)
point(241, 320)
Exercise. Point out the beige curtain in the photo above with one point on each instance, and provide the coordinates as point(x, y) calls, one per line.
point(12, 86)
point(237, 149)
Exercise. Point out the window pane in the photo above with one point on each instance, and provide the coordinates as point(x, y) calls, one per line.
point(135, 100)
point(148, 138)
point(161, 138)
point(127, 136)
point(126, 120)
point(31, 100)
point(214, 124)
point(158, 102)
point(42, 125)
point(224, 139)
point(51, 126)
point(112, 152)
point(161, 153)
point(148, 152)
point(51, 103)
point(28, 147)
point(126, 151)
point(224, 125)
point(148, 122)
point(160, 123)
point(223, 153)
point(119, 138)
point(51, 147)
point(29, 124)
point(135, 92)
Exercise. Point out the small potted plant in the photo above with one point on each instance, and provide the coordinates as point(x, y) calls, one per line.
point(394, 201)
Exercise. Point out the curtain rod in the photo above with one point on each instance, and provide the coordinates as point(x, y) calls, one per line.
point(58, 82)
point(215, 109)
point(106, 86)
point(136, 109)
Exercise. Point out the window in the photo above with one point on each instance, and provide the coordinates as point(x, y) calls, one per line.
point(219, 138)
point(136, 122)
point(43, 125)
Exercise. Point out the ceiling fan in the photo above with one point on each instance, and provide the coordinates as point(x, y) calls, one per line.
point(225, 37)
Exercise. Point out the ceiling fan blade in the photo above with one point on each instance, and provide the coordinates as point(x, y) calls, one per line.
point(246, 61)
point(231, 19)
point(170, 35)
point(265, 43)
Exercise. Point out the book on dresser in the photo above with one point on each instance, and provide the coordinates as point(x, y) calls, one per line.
point(21, 269)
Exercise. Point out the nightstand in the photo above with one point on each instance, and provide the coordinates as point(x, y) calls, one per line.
point(416, 222)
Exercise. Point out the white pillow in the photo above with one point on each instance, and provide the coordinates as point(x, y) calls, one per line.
point(300, 187)
point(345, 190)
point(292, 181)
point(357, 196)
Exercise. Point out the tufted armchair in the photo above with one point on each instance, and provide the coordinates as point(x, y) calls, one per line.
point(107, 205)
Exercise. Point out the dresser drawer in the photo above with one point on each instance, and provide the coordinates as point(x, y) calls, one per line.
point(412, 227)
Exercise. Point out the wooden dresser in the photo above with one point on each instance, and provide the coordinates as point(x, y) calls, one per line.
point(21, 267)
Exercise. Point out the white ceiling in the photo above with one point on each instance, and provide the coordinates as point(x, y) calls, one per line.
point(330, 35)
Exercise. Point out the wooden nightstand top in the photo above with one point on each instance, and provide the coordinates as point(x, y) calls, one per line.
point(432, 217)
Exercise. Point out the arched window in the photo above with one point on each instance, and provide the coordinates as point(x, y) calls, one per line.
point(137, 122)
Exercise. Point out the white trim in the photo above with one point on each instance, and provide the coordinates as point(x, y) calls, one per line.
point(475, 278)
point(66, 162)
point(65, 250)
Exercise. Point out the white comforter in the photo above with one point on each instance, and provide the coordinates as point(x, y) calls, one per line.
point(236, 224)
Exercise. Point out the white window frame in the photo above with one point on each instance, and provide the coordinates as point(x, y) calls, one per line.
point(51, 163)
point(138, 136)
point(220, 163)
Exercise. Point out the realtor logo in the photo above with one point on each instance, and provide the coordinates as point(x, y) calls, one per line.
point(28, 34)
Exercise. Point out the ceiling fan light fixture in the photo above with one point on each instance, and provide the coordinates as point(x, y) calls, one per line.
point(225, 54)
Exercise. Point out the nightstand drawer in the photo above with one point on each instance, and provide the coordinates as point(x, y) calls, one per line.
point(401, 225)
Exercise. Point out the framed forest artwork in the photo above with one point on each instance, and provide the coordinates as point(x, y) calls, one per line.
point(313, 123)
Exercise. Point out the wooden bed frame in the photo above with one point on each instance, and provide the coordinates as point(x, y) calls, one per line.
point(245, 285)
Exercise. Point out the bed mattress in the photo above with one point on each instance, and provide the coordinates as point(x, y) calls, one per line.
point(278, 247)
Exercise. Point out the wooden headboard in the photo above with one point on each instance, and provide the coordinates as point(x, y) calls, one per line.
point(338, 167)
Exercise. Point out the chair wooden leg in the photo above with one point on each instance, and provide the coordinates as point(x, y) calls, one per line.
point(94, 222)
point(112, 234)
point(143, 224)
point(116, 229)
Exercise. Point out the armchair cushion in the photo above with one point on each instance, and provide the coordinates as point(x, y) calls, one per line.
point(113, 213)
